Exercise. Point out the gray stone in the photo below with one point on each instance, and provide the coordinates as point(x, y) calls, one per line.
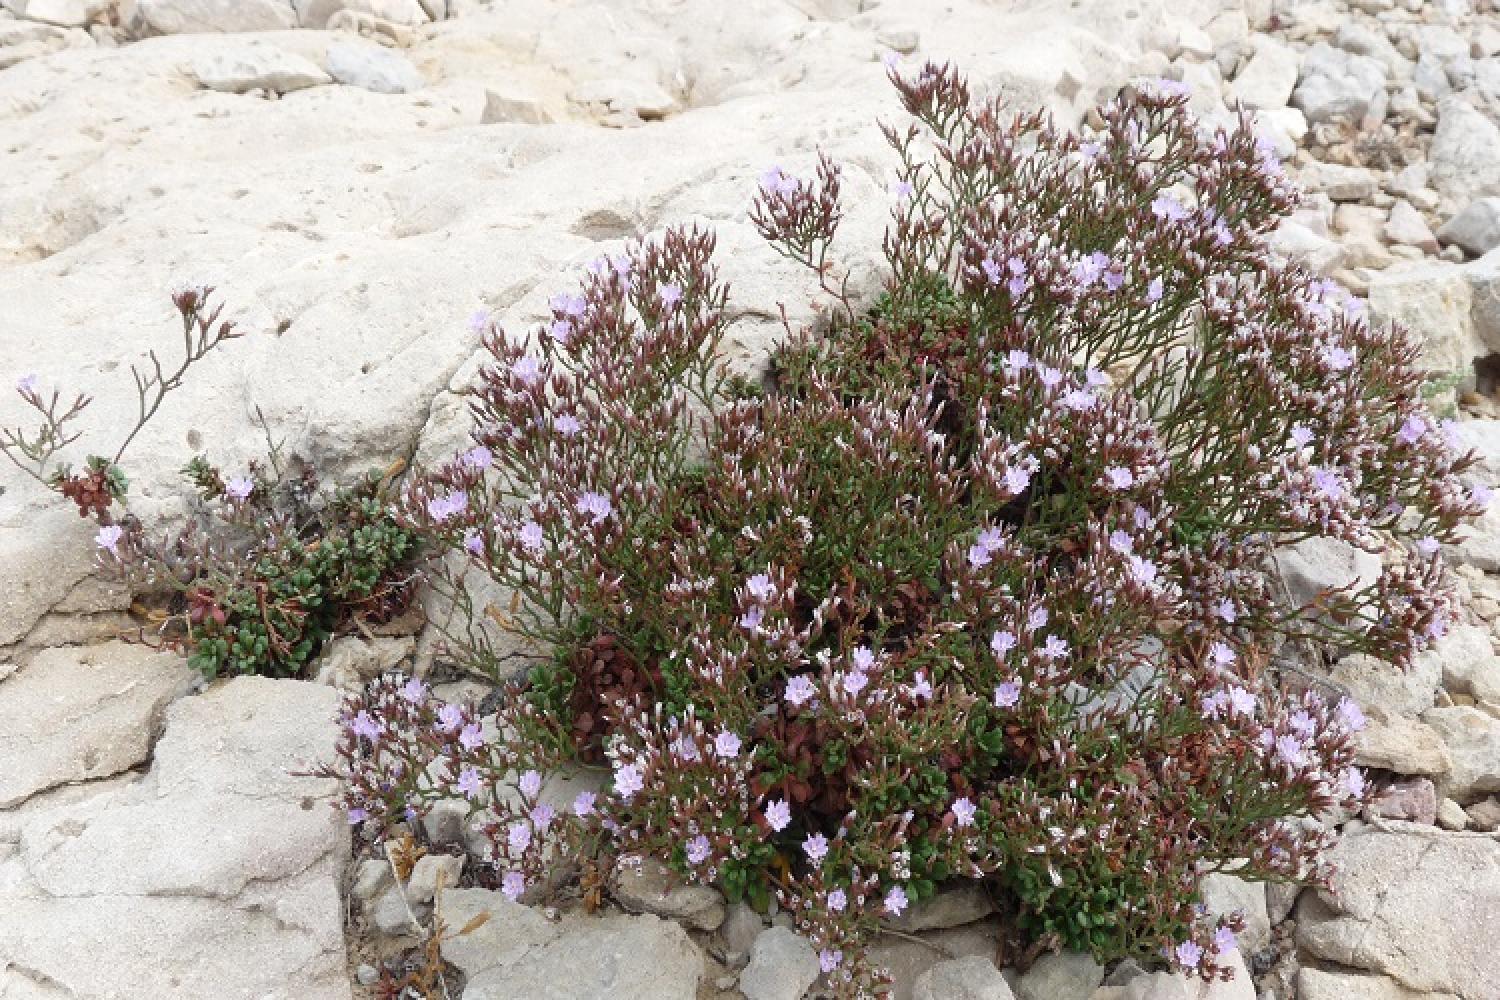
point(238, 67)
point(1319, 565)
point(1335, 84)
point(1451, 815)
point(517, 954)
point(348, 662)
point(1434, 301)
point(79, 714)
point(1485, 815)
point(1223, 894)
point(1176, 986)
point(1473, 741)
point(430, 871)
point(1476, 229)
point(173, 17)
point(951, 907)
point(1467, 655)
point(371, 879)
point(652, 887)
point(1317, 984)
point(1060, 974)
point(1267, 79)
point(1339, 182)
point(970, 978)
point(639, 97)
point(1407, 227)
point(1465, 154)
point(1412, 799)
point(741, 927)
point(1401, 744)
point(1409, 905)
point(394, 915)
point(1297, 242)
point(782, 966)
point(372, 67)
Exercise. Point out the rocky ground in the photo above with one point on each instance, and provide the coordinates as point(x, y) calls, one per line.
point(359, 176)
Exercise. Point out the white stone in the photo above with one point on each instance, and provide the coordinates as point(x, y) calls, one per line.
point(1267, 79)
point(970, 978)
point(432, 871)
point(1433, 301)
point(349, 661)
point(1335, 84)
point(172, 17)
point(1476, 229)
point(237, 67)
point(1465, 152)
point(642, 98)
point(1401, 744)
point(79, 714)
point(782, 966)
point(1473, 741)
point(1319, 565)
point(64, 13)
point(514, 108)
point(950, 907)
point(1316, 984)
point(1407, 226)
point(1295, 241)
point(1223, 894)
point(1408, 905)
point(652, 887)
point(1339, 182)
point(319, 13)
point(1060, 974)
point(372, 67)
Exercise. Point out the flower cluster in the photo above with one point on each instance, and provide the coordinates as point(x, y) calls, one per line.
point(980, 586)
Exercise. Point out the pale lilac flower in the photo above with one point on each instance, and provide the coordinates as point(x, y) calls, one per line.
point(1119, 478)
point(896, 901)
point(1143, 571)
point(1036, 619)
point(1481, 495)
point(478, 457)
point(979, 556)
point(363, 725)
point(727, 745)
point(1114, 279)
point(837, 900)
point(450, 718)
point(1055, 648)
point(778, 815)
point(525, 370)
point(474, 544)
point(1226, 611)
point(1289, 750)
point(1241, 702)
point(109, 537)
point(863, 658)
point(1189, 954)
point(513, 885)
point(760, 587)
point(670, 295)
point(750, 620)
point(921, 687)
point(816, 848)
point(1121, 542)
point(1339, 358)
point(992, 538)
point(1427, 545)
point(1224, 941)
point(518, 837)
point(1017, 478)
point(800, 690)
point(468, 782)
point(1301, 437)
point(903, 190)
point(26, 385)
point(1168, 209)
point(1350, 715)
point(532, 537)
point(1354, 782)
point(358, 815)
point(596, 505)
point(1016, 361)
point(1002, 643)
point(1412, 429)
point(1328, 482)
point(561, 331)
point(1302, 724)
point(1154, 290)
point(414, 691)
point(963, 811)
point(1050, 377)
point(583, 804)
point(530, 784)
point(1221, 654)
point(774, 181)
point(855, 681)
point(1007, 694)
point(992, 270)
point(1078, 400)
point(628, 781)
point(239, 488)
point(830, 959)
point(472, 737)
point(698, 850)
point(542, 816)
point(443, 507)
point(567, 425)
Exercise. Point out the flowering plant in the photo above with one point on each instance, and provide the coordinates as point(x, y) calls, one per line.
point(980, 586)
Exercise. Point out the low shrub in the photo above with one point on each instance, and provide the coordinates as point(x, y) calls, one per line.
point(979, 586)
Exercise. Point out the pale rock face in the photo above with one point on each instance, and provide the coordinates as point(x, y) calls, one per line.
point(1472, 738)
point(218, 867)
point(971, 978)
point(1060, 974)
point(172, 17)
point(1316, 984)
point(71, 715)
point(1407, 905)
point(1223, 894)
point(1335, 84)
point(1397, 743)
point(651, 887)
point(782, 966)
point(256, 66)
point(63, 13)
point(1465, 153)
point(1433, 301)
point(372, 67)
point(1320, 564)
point(1476, 229)
point(1268, 78)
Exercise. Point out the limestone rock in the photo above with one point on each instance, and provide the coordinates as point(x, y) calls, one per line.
point(1316, 984)
point(1060, 974)
point(219, 867)
point(1223, 894)
point(1451, 815)
point(1176, 986)
point(652, 887)
point(1468, 659)
point(951, 907)
point(1412, 799)
point(430, 871)
point(1400, 744)
point(1339, 182)
point(782, 966)
point(236, 68)
point(643, 99)
point(1433, 301)
point(1335, 84)
point(971, 978)
point(513, 108)
point(349, 661)
point(1407, 905)
point(321, 13)
point(172, 17)
point(1476, 229)
point(72, 714)
point(63, 13)
point(372, 68)
point(1473, 741)
point(740, 929)
point(1407, 227)
point(517, 953)
point(1267, 80)
point(1465, 152)
point(1485, 815)
point(1315, 565)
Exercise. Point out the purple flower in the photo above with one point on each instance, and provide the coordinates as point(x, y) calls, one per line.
point(778, 815)
point(1007, 694)
point(1226, 611)
point(1002, 643)
point(1427, 546)
point(1188, 954)
point(837, 900)
point(363, 725)
point(727, 745)
point(542, 815)
point(1412, 429)
point(1168, 209)
point(567, 425)
point(863, 658)
point(1154, 290)
point(443, 507)
point(774, 181)
point(855, 681)
point(1121, 542)
point(750, 620)
point(760, 587)
point(596, 505)
point(1289, 750)
point(239, 488)
point(109, 537)
point(1055, 648)
point(358, 815)
point(1350, 716)
point(963, 811)
point(518, 837)
point(414, 691)
point(1118, 478)
point(979, 556)
point(830, 959)
point(474, 544)
point(450, 718)
point(526, 371)
point(472, 737)
point(628, 781)
point(1301, 437)
point(1224, 941)
point(532, 537)
point(1016, 361)
point(1354, 782)
point(1481, 495)
point(921, 687)
point(903, 190)
point(1339, 359)
point(991, 269)
point(513, 885)
point(800, 690)
point(468, 782)
point(583, 804)
point(1016, 478)
point(698, 850)
point(1221, 654)
point(1051, 377)
point(1241, 702)
point(896, 901)
point(670, 295)
point(530, 784)
point(1328, 482)
point(26, 385)
point(478, 457)
point(816, 848)
point(1036, 619)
